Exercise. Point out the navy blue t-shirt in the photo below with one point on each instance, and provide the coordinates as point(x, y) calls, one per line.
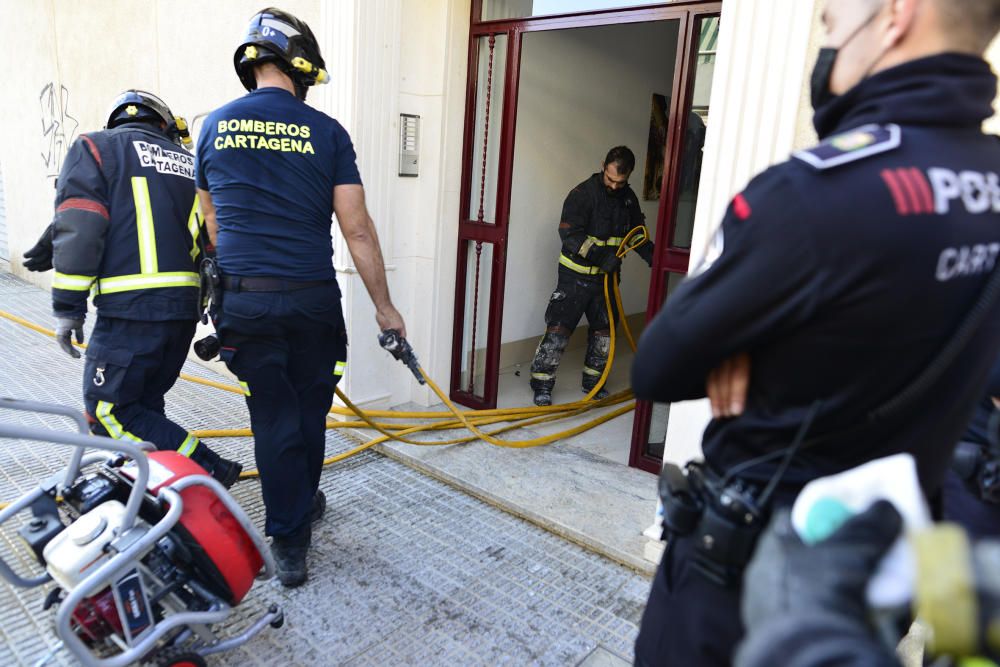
point(271, 162)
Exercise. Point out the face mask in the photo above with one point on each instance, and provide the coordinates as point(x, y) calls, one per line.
point(822, 74)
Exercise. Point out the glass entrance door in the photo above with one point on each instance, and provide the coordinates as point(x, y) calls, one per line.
point(681, 178)
point(496, 46)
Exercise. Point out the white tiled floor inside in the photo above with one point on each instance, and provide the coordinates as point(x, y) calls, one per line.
point(610, 440)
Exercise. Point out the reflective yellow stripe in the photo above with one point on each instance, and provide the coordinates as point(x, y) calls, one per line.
point(111, 423)
point(579, 268)
point(188, 446)
point(614, 240)
point(340, 368)
point(74, 283)
point(147, 281)
point(144, 224)
point(194, 227)
point(542, 376)
point(591, 371)
point(246, 388)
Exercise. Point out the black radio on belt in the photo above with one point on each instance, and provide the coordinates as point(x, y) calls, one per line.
point(682, 501)
point(979, 468)
point(722, 516)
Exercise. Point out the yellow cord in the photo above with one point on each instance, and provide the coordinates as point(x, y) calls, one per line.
point(453, 418)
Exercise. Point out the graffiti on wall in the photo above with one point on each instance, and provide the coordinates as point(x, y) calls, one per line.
point(58, 127)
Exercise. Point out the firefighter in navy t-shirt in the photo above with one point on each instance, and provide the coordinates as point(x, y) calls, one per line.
point(271, 173)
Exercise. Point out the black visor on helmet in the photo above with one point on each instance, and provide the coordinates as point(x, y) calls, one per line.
point(141, 106)
point(278, 37)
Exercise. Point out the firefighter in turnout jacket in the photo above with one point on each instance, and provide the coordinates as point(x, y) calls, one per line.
point(126, 228)
point(596, 217)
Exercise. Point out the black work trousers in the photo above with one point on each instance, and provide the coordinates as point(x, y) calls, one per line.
point(130, 366)
point(288, 350)
point(689, 620)
point(575, 295)
point(963, 506)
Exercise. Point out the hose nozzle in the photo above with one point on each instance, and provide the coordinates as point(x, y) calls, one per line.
point(393, 343)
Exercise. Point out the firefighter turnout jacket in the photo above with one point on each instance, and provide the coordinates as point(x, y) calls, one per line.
point(126, 227)
point(594, 218)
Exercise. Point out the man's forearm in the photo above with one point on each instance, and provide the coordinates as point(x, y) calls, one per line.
point(367, 255)
point(208, 215)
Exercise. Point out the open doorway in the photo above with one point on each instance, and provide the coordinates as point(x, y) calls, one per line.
point(581, 92)
point(547, 98)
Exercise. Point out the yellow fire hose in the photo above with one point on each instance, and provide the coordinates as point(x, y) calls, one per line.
point(453, 418)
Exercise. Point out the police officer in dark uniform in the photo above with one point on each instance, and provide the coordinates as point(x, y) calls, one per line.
point(271, 173)
point(596, 217)
point(837, 277)
point(126, 228)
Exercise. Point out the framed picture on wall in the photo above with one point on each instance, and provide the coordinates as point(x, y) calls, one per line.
point(656, 150)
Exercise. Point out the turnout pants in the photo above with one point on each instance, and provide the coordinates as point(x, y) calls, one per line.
point(130, 366)
point(288, 350)
point(575, 295)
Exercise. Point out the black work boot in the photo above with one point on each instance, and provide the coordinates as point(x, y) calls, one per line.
point(601, 394)
point(545, 364)
point(318, 507)
point(225, 471)
point(289, 554)
point(543, 397)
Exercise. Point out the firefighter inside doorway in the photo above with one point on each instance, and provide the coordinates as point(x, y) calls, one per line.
point(596, 216)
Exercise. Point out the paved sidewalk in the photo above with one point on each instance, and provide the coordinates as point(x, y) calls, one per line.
point(406, 570)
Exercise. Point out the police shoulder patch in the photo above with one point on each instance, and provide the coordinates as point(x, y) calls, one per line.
point(852, 146)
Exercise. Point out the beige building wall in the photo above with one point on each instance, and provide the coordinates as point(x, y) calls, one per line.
point(759, 97)
point(384, 57)
point(73, 58)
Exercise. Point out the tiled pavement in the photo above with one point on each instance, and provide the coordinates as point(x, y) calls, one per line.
point(405, 570)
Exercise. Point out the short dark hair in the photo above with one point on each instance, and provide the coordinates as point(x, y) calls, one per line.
point(974, 22)
point(622, 157)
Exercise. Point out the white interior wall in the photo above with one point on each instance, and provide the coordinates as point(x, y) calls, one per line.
point(581, 92)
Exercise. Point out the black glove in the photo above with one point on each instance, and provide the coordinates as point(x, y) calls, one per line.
point(787, 578)
point(606, 258)
point(39, 256)
point(646, 252)
point(65, 326)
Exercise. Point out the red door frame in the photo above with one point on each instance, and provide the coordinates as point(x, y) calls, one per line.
point(667, 260)
point(670, 259)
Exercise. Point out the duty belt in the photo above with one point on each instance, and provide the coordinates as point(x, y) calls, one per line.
point(252, 284)
point(579, 268)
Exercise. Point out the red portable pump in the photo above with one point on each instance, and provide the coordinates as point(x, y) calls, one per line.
point(154, 553)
